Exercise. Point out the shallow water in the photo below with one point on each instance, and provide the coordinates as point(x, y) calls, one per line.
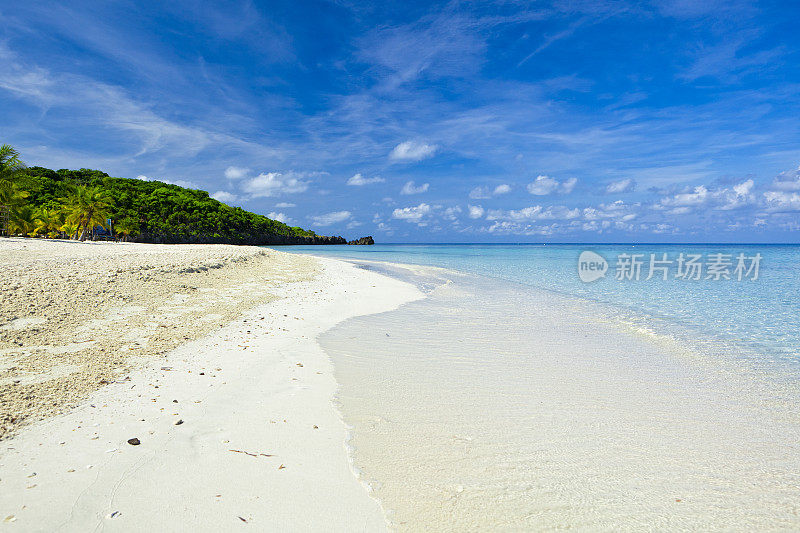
point(499, 406)
point(761, 315)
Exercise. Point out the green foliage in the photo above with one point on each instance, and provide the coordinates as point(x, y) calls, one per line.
point(48, 222)
point(87, 207)
point(74, 202)
point(22, 220)
point(11, 166)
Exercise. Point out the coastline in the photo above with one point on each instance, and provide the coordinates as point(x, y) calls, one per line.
point(260, 385)
point(521, 408)
point(473, 404)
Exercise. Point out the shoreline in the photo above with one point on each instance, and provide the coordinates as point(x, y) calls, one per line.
point(472, 403)
point(689, 342)
point(260, 440)
point(516, 406)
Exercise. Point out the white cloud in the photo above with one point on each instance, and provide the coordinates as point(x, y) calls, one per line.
point(738, 196)
point(412, 151)
point(535, 212)
point(568, 185)
point(515, 228)
point(744, 188)
point(284, 205)
point(724, 199)
point(697, 196)
point(528, 221)
point(475, 211)
point(274, 184)
point(621, 186)
point(236, 173)
point(409, 188)
point(451, 213)
point(502, 189)
point(782, 201)
point(280, 217)
point(331, 218)
point(544, 185)
point(359, 180)
point(413, 214)
point(225, 197)
point(619, 214)
point(788, 181)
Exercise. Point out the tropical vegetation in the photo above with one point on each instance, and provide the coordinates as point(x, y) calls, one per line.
point(87, 204)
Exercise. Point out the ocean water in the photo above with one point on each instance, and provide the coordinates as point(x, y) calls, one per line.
point(516, 397)
point(762, 316)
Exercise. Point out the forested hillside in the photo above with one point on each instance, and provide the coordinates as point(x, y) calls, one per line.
point(72, 203)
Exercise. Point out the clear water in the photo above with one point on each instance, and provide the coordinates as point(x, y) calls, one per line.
point(515, 397)
point(761, 317)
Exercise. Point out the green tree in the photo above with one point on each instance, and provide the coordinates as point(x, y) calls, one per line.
point(70, 229)
point(11, 196)
point(126, 227)
point(152, 210)
point(48, 222)
point(22, 219)
point(87, 207)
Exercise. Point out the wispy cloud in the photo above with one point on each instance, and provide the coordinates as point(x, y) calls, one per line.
point(329, 219)
point(458, 98)
point(357, 180)
point(621, 186)
point(550, 39)
point(482, 193)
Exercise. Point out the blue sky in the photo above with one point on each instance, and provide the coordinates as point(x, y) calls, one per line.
point(662, 121)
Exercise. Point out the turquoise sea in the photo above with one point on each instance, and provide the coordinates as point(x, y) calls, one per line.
point(761, 316)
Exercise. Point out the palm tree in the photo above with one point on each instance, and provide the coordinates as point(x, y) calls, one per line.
point(10, 194)
point(10, 163)
point(87, 207)
point(21, 221)
point(48, 221)
point(70, 229)
point(125, 228)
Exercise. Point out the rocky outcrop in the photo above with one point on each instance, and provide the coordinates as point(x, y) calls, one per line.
point(363, 240)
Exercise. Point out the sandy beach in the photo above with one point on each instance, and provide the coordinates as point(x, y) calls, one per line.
point(176, 387)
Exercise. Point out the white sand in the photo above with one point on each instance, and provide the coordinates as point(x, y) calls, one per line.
point(260, 444)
